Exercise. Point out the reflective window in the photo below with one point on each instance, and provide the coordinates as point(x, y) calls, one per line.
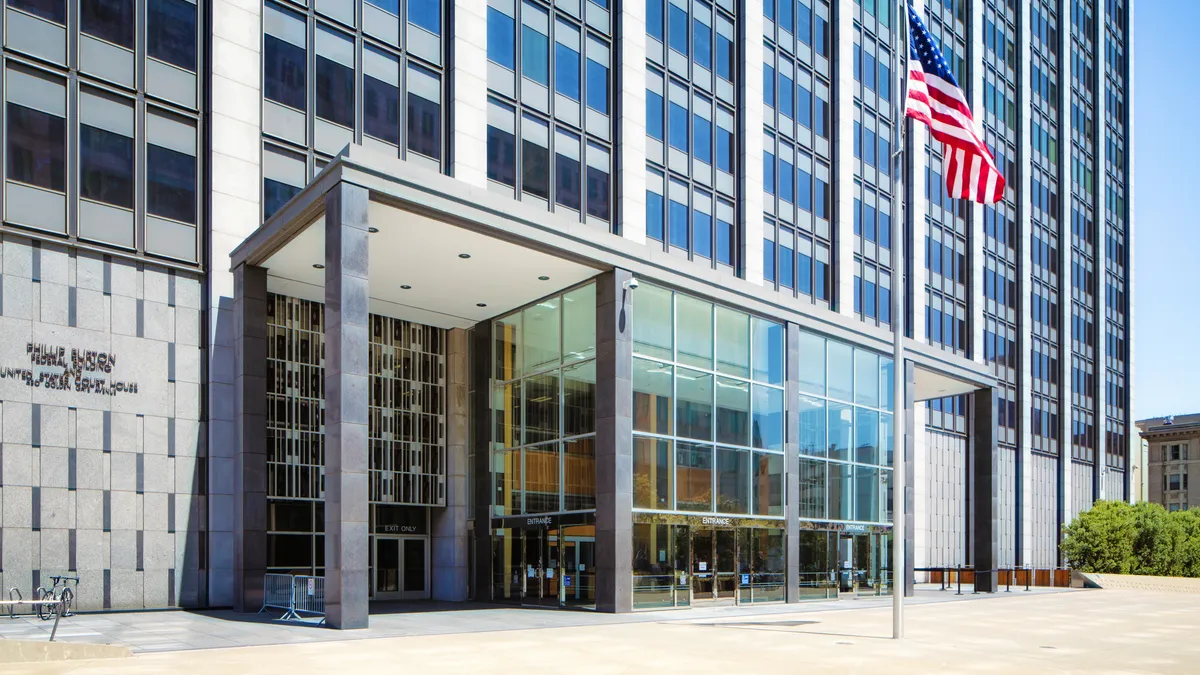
point(106, 155)
point(170, 184)
point(381, 96)
point(501, 39)
point(171, 32)
point(285, 64)
point(110, 20)
point(335, 78)
point(52, 10)
point(37, 147)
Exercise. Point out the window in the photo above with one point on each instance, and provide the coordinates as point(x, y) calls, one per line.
point(37, 130)
point(424, 112)
point(285, 64)
point(171, 182)
point(597, 84)
point(598, 182)
point(171, 32)
point(381, 96)
point(535, 44)
point(678, 28)
point(53, 10)
point(106, 150)
point(335, 78)
point(566, 60)
point(427, 14)
point(501, 38)
point(501, 144)
point(567, 175)
point(535, 157)
point(110, 20)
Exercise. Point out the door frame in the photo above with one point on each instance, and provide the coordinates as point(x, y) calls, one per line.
point(712, 600)
point(399, 541)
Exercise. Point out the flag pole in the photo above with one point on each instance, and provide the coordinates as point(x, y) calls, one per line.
point(900, 41)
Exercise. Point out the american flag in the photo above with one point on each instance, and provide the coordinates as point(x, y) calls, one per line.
point(935, 98)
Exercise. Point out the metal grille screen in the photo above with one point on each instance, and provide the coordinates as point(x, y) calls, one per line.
point(407, 429)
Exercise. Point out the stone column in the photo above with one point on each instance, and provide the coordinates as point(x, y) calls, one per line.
point(985, 494)
point(791, 464)
point(449, 559)
point(614, 443)
point(250, 395)
point(480, 370)
point(346, 386)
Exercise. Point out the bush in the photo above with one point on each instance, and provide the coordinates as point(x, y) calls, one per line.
point(1143, 538)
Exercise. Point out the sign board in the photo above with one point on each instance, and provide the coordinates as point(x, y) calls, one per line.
point(703, 566)
point(745, 579)
point(312, 586)
point(566, 582)
point(80, 370)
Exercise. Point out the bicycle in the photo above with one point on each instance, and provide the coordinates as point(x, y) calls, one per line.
point(66, 596)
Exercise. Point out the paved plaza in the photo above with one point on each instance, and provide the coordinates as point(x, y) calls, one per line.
point(1092, 631)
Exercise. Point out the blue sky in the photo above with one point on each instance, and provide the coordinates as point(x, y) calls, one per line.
point(1166, 299)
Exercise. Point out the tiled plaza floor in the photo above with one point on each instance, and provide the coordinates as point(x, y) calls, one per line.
point(179, 630)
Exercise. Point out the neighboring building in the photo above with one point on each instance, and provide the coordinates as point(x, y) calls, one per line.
point(181, 212)
point(1174, 445)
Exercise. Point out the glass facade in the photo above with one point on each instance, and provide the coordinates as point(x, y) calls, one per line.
point(122, 168)
point(691, 130)
point(797, 198)
point(550, 106)
point(873, 142)
point(543, 456)
point(338, 72)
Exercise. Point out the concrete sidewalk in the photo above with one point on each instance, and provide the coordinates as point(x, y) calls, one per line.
point(178, 630)
point(1067, 632)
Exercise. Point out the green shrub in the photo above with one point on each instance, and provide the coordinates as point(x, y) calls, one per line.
point(1143, 538)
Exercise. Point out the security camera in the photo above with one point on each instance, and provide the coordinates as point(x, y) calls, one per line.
point(630, 284)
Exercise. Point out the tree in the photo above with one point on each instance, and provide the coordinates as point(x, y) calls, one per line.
point(1143, 538)
point(1101, 539)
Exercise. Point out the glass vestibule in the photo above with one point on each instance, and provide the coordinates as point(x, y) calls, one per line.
point(845, 559)
point(540, 561)
point(699, 561)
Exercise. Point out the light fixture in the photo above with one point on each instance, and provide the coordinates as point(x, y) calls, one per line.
point(372, 230)
point(464, 256)
point(481, 304)
point(318, 266)
point(405, 287)
point(543, 278)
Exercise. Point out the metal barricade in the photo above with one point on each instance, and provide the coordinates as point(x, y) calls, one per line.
point(308, 594)
point(279, 593)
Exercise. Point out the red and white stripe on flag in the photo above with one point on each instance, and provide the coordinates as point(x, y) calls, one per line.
point(971, 173)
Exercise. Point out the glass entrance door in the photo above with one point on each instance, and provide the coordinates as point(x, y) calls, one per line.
point(864, 564)
point(579, 565)
point(704, 566)
point(714, 566)
point(401, 568)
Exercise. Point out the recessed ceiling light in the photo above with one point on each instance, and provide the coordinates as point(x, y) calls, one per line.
point(405, 287)
point(464, 256)
point(372, 230)
point(318, 266)
point(481, 304)
point(543, 278)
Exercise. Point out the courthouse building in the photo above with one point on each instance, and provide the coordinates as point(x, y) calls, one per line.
point(568, 303)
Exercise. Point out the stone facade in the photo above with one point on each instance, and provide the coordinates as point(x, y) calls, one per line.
point(105, 484)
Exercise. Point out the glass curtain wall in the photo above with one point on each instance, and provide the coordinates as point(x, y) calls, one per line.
point(707, 440)
point(845, 423)
point(543, 450)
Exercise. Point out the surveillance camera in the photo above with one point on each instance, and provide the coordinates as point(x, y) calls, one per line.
point(631, 284)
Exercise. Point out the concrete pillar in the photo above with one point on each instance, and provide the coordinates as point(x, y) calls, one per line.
point(985, 493)
point(631, 112)
point(468, 77)
point(614, 443)
point(479, 392)
point(449, 559)
point(346, 414)
point(791, 460)
point(250, 393)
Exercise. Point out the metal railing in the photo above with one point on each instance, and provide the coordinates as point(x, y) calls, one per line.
point(294, 594)
point(58, 606)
